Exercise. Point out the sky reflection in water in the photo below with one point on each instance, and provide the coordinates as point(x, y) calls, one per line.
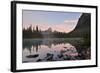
point(48, 51)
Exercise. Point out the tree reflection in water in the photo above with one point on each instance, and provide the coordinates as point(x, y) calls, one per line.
point(37, 50)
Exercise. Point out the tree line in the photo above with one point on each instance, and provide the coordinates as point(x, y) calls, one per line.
point(37, 33)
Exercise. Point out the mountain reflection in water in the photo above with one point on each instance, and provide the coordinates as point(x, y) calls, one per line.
point(41, 50)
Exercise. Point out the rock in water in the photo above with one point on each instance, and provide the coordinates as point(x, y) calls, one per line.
point(32, 56)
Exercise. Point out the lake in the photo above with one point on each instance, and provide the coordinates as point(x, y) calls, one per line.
point(54, 49)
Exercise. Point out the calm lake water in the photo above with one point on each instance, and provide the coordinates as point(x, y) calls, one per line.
point(54, 49)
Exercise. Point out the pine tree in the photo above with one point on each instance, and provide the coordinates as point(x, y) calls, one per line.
point(37, 28)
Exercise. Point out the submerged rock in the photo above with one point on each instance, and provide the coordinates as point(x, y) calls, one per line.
point(60, 56)
point(32, 56)
point(49, 56)
point(39, 60)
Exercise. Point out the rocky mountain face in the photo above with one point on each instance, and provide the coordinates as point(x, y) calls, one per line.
point(83, 27)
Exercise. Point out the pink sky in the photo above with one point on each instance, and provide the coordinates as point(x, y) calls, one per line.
point(58, 21)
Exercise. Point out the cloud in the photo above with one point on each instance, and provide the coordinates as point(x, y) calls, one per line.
point(71, 22)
